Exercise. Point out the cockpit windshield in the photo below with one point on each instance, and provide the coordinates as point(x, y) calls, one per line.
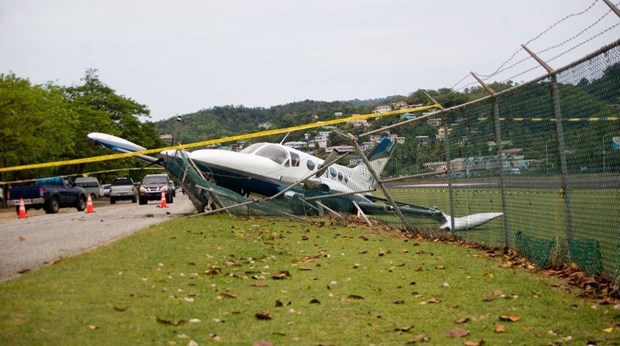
point(273, 152)
point(252, 148)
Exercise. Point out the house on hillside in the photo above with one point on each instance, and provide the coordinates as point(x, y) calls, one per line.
point(423, 140)
point(299, 145)
point(382, 109)
point(400, 105)
point(407, 116)
point(266, 125)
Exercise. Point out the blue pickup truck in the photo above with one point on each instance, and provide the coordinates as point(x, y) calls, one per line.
point(49, 194)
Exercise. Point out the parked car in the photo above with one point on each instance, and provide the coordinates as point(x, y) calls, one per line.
point(123, 188)
point(49, 194)
point(105, 190)
point(152, 186)
point(91, 185)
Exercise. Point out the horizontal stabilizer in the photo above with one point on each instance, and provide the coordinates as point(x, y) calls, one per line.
point(469, 221)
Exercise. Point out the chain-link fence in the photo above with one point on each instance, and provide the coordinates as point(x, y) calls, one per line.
point(545, 153)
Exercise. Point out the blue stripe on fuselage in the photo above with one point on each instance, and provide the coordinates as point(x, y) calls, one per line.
point(241, 183)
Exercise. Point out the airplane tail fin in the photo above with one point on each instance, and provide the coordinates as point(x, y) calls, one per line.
point(378, 158)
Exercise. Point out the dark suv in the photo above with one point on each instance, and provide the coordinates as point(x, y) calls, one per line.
point(151, 187)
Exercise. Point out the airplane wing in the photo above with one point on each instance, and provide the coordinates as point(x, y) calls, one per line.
point(121, 145)
point(460, 223)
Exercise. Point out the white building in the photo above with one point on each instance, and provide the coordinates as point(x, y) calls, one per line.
point(340, 149)
point(382, 109)
point(297, 145)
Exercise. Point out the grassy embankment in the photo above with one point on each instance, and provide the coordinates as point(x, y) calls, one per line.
point(220, 279)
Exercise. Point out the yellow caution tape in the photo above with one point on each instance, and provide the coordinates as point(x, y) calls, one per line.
point(215, 141)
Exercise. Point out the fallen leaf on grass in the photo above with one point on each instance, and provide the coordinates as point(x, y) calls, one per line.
point(403, 329)
point(119, 309)
point(457, 333)
point(462, 320)
point(419, 338)
point(511, 318)
point(499, 328)
point(473, 343)
point(282, 275)
point(355, 296)
point(608, 330)
point(213, 271)
point(93, 327)
point(307, 259)
point(399, 301)
point(315, 301)
point(175, 323)
point(433, 300)
point(263, 315)
point(226, 295)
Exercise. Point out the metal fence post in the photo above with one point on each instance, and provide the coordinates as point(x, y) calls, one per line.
point(446, 141)
point(381, 185)
point(500, 156)
point(557, 110)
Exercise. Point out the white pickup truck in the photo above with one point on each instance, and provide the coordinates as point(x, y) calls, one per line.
point(123, 188)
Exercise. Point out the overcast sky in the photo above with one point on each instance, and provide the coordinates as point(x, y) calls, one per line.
point(178, 57)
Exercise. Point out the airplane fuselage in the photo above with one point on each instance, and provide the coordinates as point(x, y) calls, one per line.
point(267, 168)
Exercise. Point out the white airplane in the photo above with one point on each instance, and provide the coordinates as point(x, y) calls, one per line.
point(268, 169)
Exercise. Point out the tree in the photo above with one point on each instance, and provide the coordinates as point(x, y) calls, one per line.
point(98, 108)
point(36, 124)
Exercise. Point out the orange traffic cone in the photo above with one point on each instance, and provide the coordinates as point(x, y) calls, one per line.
point(89, 205)
point(163, 203)
point(22, 210)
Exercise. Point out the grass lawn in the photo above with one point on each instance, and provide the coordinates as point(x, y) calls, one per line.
point(235, 281)
point(539, 213)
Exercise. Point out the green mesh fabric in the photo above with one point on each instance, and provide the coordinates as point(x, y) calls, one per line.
point(534, 249)
point(586, 253)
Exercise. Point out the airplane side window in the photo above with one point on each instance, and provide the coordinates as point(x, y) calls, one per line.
point(294, 159)
point(310, 164)
point(332, 171)
point(340, 176)
point(346, 179)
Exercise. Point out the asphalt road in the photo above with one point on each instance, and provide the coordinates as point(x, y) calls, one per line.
point(26, 244)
